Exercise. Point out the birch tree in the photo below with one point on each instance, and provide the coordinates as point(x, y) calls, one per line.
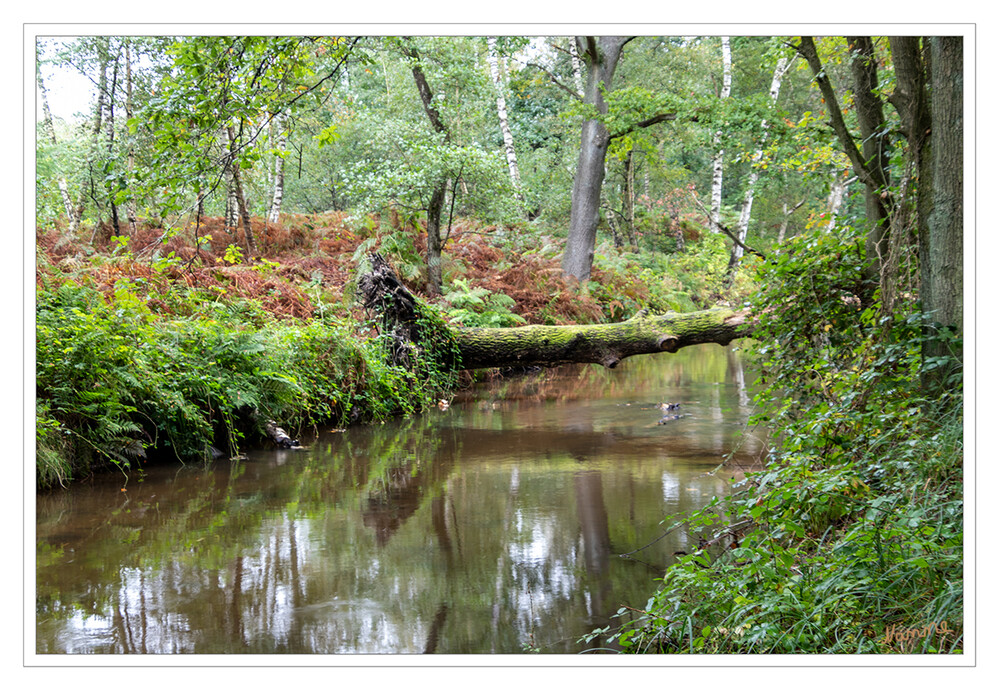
point(281, 146)
point(508, 147)
point(131, 212)
point(742, 229)
point(577, 70)
point(716, 179)
point(837, 193)
point(49, 129)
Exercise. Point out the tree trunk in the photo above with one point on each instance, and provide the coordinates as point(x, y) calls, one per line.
point(786, 220)
point(577, 68)
point(282, 145)
point(237, 193)
point(837, 192)
point(131, 211)
point(601, 56)
point(874, 144)
point(108, 163)
point(435, 245)
point(911, 100)
point(511, 152)
point(716, 178)
point(231, 206)
point(95, 134)
point(436, 204)
point(865, 166)
point(747, 204)
point(49, 128)
point(943, 298)
point(605, 344)
point(629, 200)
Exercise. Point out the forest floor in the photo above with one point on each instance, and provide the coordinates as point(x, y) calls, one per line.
point(305, 252)
point(158, 338)
point(309, 251)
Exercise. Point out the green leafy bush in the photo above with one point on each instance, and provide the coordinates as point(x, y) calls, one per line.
point(854, 529)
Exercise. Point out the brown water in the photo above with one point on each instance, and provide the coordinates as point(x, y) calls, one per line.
point(520, 518)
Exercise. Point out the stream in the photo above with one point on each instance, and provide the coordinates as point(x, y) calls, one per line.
point(519, 518)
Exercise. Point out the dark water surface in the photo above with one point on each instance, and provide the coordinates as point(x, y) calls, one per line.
point(494, 526)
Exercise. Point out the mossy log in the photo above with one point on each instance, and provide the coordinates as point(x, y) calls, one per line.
point(605, 344)
point(524, 346)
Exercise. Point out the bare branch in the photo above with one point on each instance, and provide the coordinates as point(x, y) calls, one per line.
point(554, 79)
point(729, 232)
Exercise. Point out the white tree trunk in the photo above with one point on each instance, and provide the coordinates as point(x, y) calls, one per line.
point(747, 204)
point(787, 219)
point(511, 152)
point(836, 195)
point(282, 144)
point(577, 69)
point(231, 205)
point(716, 180)
point(131, 211)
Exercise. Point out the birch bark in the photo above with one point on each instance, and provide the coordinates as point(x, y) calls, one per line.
point(236, 191)
point(282, 145)
point(49, 128)
point(716, 180)
point(511, 152)
point(131, 212)
point(747, 204)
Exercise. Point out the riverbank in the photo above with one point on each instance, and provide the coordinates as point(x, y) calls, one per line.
point(173, 345)
point(851, 540)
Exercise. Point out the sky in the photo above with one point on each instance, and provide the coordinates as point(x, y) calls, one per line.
point(70, 93)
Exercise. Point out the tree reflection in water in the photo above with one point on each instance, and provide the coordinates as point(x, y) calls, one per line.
point(491, 527)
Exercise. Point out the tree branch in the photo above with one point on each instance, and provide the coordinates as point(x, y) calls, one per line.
point(808, 51)
point(729, 232)
point(554, 79)
point(654, 120)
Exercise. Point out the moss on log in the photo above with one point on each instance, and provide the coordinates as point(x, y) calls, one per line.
point(486, 348)
point(605, 344)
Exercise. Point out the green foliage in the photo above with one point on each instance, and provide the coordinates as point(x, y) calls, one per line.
point(477, 307)
point(399, 163)
point(853, 532)
point(115, 380)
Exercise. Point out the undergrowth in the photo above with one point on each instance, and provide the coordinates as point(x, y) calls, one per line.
point(117, 382)
point(851, 538)
point(175, 343)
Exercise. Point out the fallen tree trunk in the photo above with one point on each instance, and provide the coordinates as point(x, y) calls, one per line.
point(606, 344)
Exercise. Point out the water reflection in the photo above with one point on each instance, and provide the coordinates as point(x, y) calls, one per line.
point(491, 527)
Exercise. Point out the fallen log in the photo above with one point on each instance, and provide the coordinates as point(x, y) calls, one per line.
point(605, 344)
point(548, 346)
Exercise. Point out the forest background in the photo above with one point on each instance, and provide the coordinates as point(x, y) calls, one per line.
point(657, 248)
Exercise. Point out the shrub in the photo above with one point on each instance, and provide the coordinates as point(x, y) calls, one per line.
point(854, 529)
